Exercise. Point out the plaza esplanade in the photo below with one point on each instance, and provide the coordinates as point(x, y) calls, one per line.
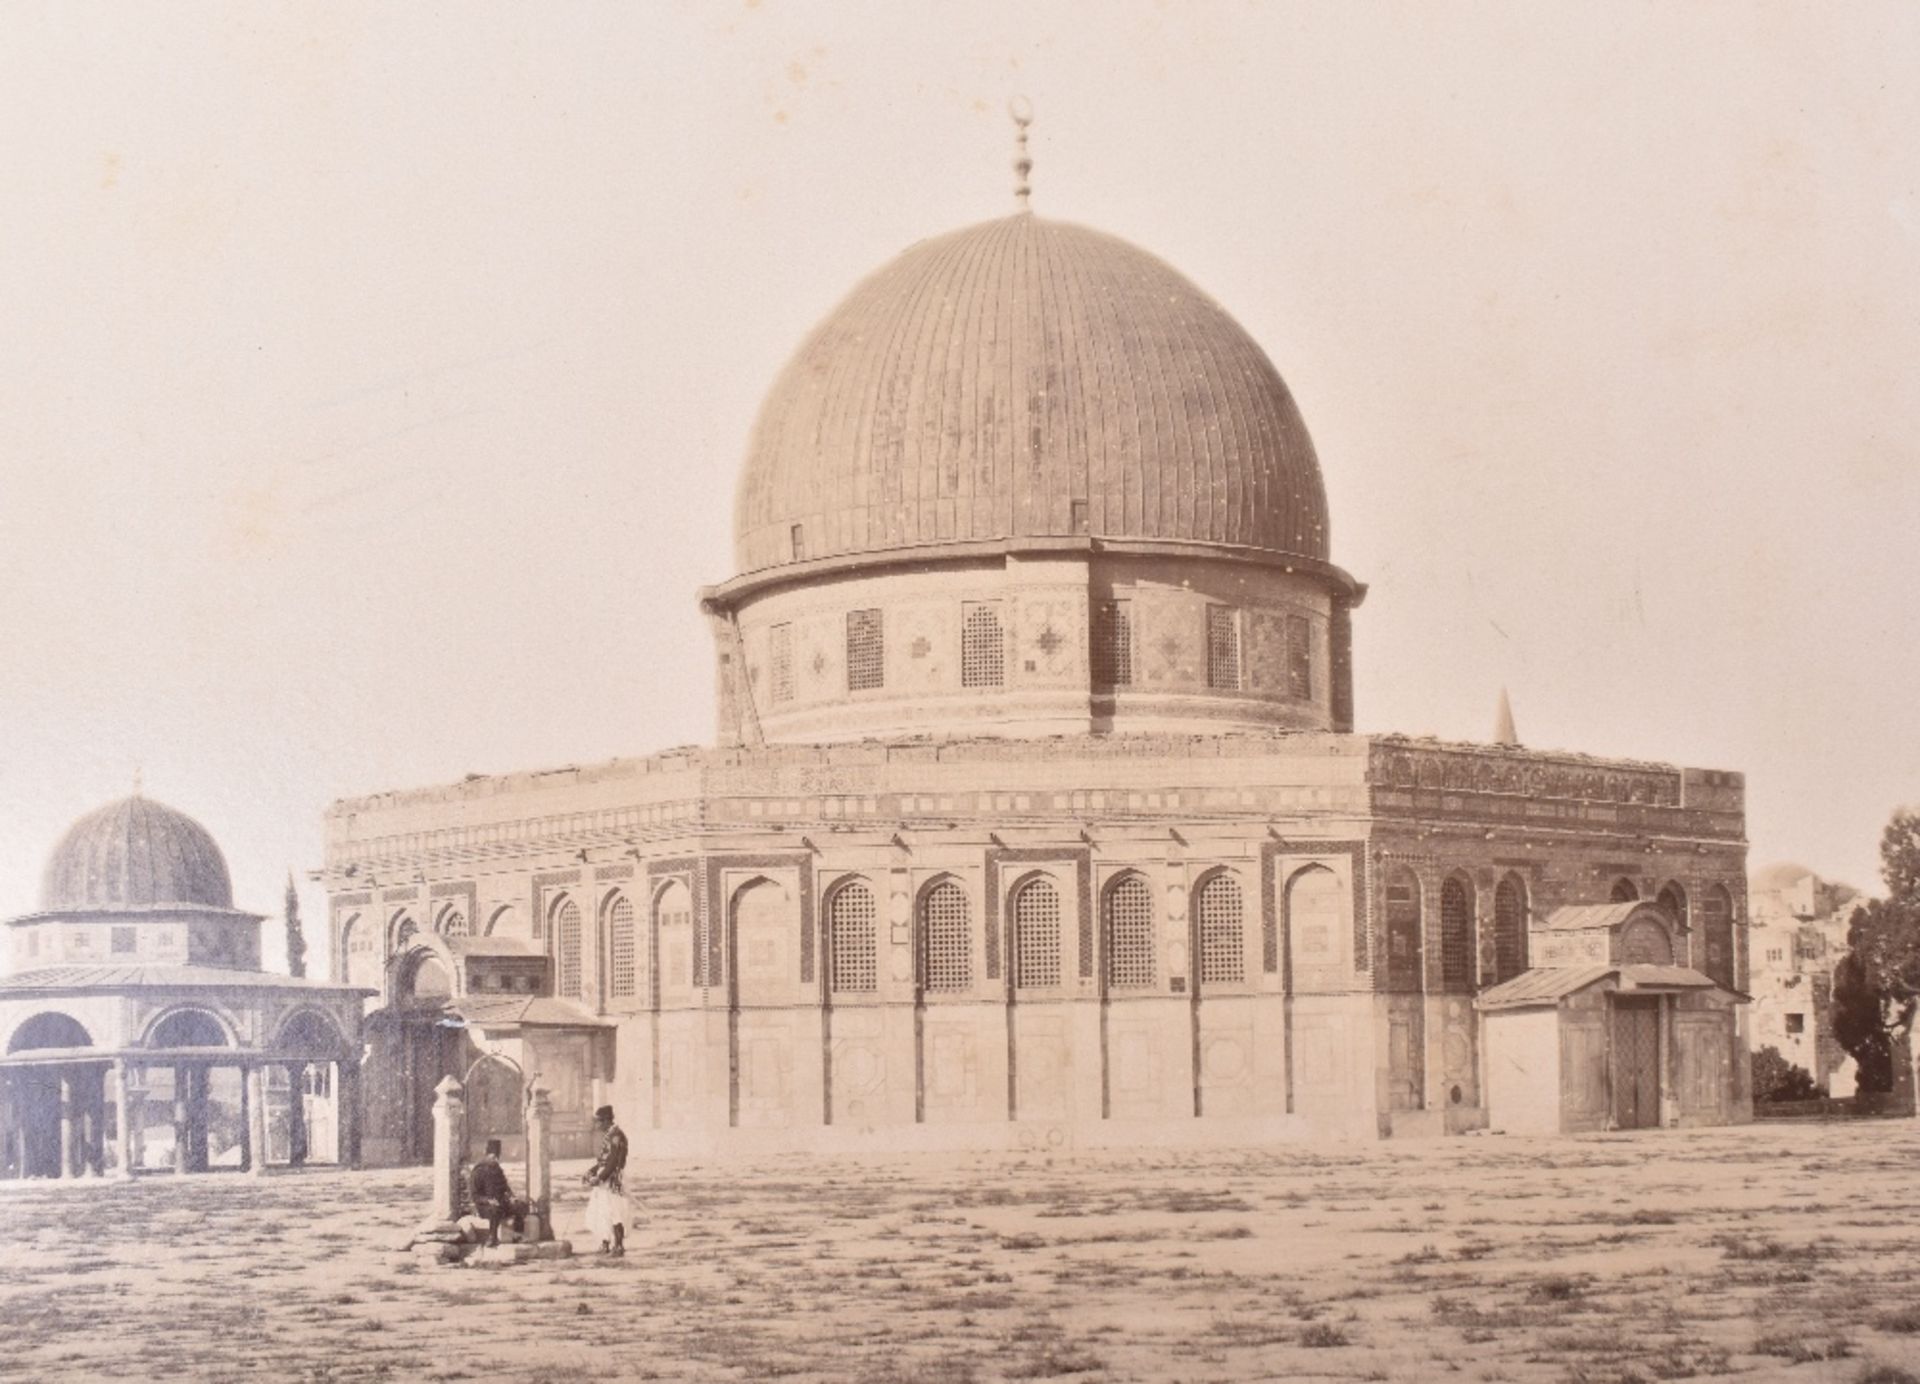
point(1028, 480)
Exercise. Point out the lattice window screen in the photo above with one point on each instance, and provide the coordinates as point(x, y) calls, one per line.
point(781, 637)
point(453, 923)
point(1456, 938)
point(622, 954)
point(1036, 936)
point(1129, 920)
point(1509, 930)
point(983, 647)
point(1299, 658)
point(1223, 647)
point(1113, 644)
point(1223, 953)
point(946, 939)
point(566, 929)
point(856, 952)
point(866, 651)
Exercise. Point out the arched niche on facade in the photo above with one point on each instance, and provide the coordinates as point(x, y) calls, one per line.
point(1459, 935)
point(425, 979)
point(49, 1030)
point(1405, 959)
point(1511, 948)
point(852, 938)
point(764, 930)
point(452, 921)
point(1035, 942)
point(1645, 939)
point(1315, 925)
point(506, 921)
point(621, 963)
point(1219, 913)
point(1716, 927)
point(682, 967)
point(360, 951)
point(1625, 891)
point(566, 931)
point(1129, 934)
point(943, 937)
point(1673, 899)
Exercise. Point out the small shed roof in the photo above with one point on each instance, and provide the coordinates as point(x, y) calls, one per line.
point(1551, 984)
point(1588, 917)
point(525, 1011)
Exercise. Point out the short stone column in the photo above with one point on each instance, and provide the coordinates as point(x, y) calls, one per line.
point(181, 1100)
point(448, 1120)
point(118, 1083)
point(256, 1078)
point(540, 1164)
point(69, 1150)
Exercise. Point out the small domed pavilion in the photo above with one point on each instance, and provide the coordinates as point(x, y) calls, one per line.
point(138, 1031)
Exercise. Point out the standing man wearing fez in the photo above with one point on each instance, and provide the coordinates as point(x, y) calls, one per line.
point(493, 1195)
point(607, 1201)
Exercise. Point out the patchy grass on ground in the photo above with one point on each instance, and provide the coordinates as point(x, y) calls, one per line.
point(1769, 1252)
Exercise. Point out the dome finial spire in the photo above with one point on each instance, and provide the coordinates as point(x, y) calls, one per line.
point(1021, 109)
point(138, 784)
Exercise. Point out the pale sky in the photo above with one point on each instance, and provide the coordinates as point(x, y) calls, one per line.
point(375, 378)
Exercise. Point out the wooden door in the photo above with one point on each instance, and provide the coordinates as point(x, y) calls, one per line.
point(1636, 1063)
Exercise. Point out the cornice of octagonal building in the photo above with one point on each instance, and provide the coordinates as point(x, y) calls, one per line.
point(1027, 379)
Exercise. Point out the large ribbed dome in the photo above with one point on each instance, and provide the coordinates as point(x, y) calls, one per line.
point(135, 853)
point(1025, 378)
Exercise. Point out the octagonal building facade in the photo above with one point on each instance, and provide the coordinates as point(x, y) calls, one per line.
point(1037, 817)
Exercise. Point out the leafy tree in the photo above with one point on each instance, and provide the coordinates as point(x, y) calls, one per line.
point(1776, 1079)
point(296, 939)
point(1876, 986)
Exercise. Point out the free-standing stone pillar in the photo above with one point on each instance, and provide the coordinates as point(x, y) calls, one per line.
point(540, 1164)
point(448, 1121)
point(68, 1149)
point(255, 1077)
point(296, 1114)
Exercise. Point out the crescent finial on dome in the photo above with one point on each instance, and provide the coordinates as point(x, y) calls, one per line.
point(1021, 109)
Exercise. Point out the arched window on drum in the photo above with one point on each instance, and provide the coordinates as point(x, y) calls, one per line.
point(1128, 924)
point(567, 949)
point(1458, 938)
point(1221, 918)
point(623, 949)
point(1509, 929)
point(853, 940)
point(946, 939)
point(1035, 941)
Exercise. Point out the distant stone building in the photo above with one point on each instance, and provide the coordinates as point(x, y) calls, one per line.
point(138, 1030)
point(1798, 935)
point(1037, 815)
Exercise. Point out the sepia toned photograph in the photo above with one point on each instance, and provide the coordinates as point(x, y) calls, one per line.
point(936, 694)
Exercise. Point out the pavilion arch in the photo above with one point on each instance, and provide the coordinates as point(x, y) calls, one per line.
point(851, 910)
point(1129, 928)
point(49, 1028)
point(424, 962)
point(1510, 941)
point(1218, 908)
point(1459, 934)
point(1035, 939)
point(311, 1033)
point(190, 1026)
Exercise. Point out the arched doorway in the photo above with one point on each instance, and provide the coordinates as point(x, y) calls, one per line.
point(430, 1046)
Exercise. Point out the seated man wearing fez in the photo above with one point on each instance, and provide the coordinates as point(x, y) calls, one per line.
point(493, 1196)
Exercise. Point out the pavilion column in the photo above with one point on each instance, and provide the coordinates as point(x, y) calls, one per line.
point(127, 1100)
point(180, 1110)
point(540, 1163)
point(12, 1149)
point(296, 1113)
point(93, 1152)
point(255, 1081)
point(67, 1140)
point(346, 1113)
